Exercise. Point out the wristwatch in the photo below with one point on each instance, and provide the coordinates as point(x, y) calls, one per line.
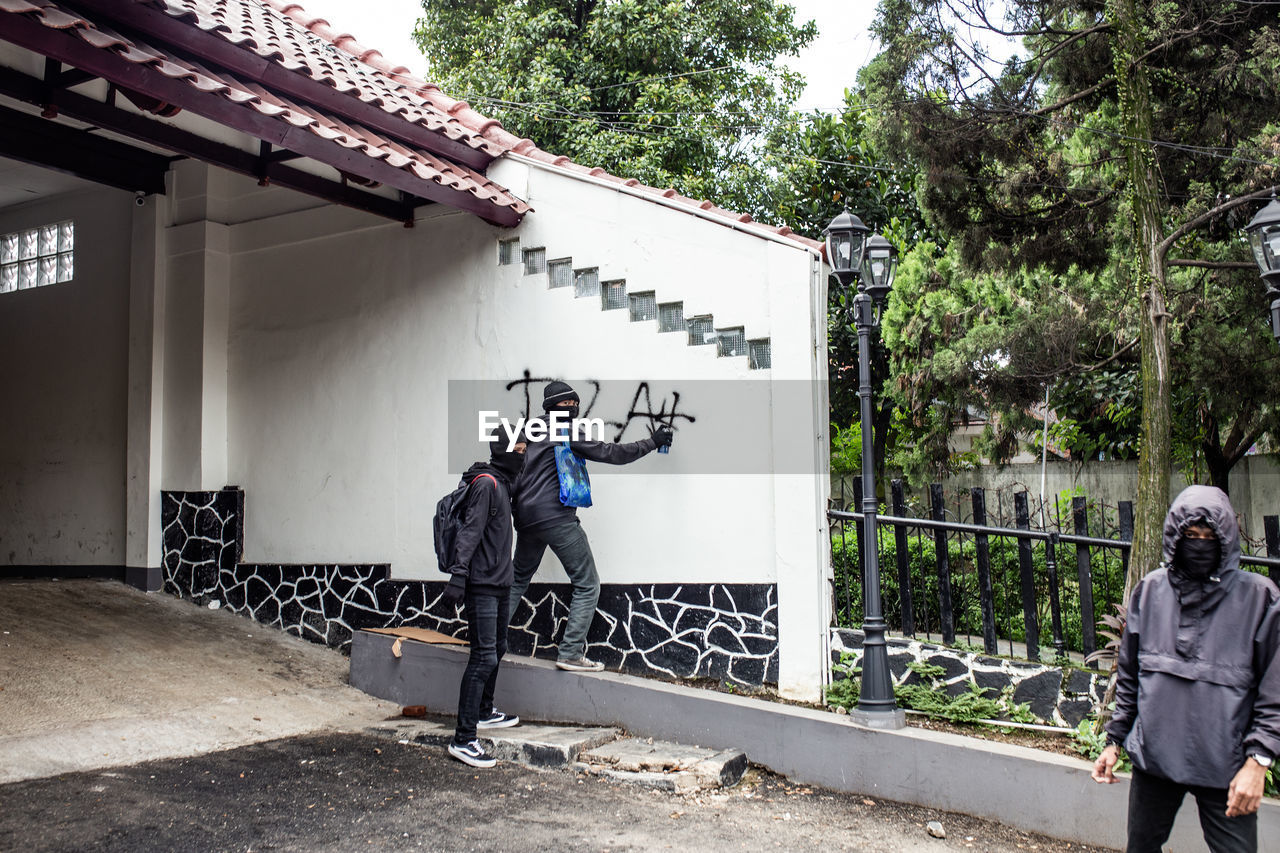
point(1263, 760)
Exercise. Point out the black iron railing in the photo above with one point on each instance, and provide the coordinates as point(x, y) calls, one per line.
point(960, 572)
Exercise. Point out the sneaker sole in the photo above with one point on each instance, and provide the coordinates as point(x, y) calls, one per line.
point(482, 763)
point(505, 724)
point(573, 667)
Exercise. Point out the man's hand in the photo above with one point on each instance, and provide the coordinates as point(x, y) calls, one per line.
point(1245, 793)
point(662, 436)
point(1105, 764)
point(455, 591)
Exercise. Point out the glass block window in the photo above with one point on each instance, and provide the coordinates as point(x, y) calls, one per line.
point(613, 295)
point(37, 256)
point(759, 354)
point(560, 273)
point(644, 306)
point(535, 261)
point(508, 252)
point(731, 342)
point(586, 282)
point(671, 317)
point(701, 331)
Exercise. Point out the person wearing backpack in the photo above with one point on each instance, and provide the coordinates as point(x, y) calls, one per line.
point(543, 519)
point(480, 575)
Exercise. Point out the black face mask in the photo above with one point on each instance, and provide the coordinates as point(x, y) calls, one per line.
point(1197, 558)
point(507, 462)
point(567, 415)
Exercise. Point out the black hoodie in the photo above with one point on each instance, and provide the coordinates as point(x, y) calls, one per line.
point(482, 552)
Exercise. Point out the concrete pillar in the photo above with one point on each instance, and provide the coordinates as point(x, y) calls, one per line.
point(195, 335)
point(145, 424)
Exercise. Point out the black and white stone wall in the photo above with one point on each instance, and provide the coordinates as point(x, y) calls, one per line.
point(1058, 696)
point(727, 632)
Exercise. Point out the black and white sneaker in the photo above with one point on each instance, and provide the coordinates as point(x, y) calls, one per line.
point(472, 753)
point(498, 720)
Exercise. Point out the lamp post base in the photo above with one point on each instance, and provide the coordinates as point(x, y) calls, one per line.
point(895, 718)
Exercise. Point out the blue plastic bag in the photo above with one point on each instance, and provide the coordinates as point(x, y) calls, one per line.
point(575, 485)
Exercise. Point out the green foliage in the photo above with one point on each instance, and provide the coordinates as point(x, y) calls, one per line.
point(929, 696)
point(1089, 740)
point(843, 693)
point(670, 92)
point(846, 449)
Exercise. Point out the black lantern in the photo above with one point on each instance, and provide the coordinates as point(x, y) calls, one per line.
point(879, 264)
point(845, 237)
point(1264, 237)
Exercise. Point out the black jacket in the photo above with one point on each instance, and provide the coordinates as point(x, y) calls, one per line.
point(537, 491)
point(482, 552)
point(1198, 679)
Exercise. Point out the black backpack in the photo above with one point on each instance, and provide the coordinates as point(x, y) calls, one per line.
point(449, 511)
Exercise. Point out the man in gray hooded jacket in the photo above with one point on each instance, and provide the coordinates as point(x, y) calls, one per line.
point(1198, 683)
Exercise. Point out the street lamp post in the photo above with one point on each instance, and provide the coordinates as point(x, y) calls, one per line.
point(1264, 237)
point(870, 262)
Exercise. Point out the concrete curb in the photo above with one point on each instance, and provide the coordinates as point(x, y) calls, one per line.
point(543, 747)
point(1018, 786)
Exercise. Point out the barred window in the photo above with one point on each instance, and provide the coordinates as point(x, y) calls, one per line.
point(535, 261)
point(759, 354)
point(671, 317)
point(586, 282)
point(731, 342)
point(507, 252)
point(560, 273)
point(613, 295)
point(701, 331)
point(37, 256)
point(644, 306)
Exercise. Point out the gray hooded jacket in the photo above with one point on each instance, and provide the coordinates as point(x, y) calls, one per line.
point(1198, 682)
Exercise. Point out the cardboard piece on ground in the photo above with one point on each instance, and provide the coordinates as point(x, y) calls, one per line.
point(422, 635)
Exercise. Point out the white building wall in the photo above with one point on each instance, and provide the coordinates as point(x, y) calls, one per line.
point(64, 384)
point(344, 331)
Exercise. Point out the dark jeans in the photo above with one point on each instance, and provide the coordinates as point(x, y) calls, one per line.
point(569, 543)
point(1154, 802)
point(487, 633)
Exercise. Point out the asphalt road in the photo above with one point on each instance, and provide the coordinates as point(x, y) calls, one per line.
point(346, 792)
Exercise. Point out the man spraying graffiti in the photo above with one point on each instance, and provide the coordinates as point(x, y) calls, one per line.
point(546, 501)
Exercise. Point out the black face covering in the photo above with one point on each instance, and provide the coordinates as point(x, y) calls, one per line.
point(506, 462)
point(1197, 558)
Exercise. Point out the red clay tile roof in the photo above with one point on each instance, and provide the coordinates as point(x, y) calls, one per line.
point(487, 128)
point(432, 176)
point(281, 35)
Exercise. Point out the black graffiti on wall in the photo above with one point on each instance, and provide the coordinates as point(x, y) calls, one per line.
point(642, 408)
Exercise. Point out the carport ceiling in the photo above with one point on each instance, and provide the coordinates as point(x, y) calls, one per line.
point(22, 182)
point(178, 76)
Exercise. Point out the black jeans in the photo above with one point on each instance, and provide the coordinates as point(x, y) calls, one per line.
point(1154, 802)
point(569, 543)
point(487, 632)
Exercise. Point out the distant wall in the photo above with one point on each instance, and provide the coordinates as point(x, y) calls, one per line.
point(64, 387)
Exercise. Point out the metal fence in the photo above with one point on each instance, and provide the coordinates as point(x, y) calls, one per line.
point(1004, 568)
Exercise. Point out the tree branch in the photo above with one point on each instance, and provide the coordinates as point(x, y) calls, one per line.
point(1187, 227)
point(1211, 265)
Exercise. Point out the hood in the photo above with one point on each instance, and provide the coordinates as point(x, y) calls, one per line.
point(1212, 505)
point(478, 468)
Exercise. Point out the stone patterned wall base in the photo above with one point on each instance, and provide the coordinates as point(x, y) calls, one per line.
point(1057, 696)
point(718, 631)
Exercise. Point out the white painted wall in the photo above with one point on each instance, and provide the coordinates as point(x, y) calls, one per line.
point(64, 387)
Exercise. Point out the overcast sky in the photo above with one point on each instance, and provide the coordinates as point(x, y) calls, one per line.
point(842, 47)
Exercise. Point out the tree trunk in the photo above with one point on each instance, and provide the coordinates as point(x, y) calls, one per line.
point(1147, 277)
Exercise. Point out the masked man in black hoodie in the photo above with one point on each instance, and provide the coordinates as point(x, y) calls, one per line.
point(1197, 683)
point(543, 521)
point(480, 579)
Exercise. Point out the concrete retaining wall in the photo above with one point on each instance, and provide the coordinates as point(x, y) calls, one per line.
point(1021, 787)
